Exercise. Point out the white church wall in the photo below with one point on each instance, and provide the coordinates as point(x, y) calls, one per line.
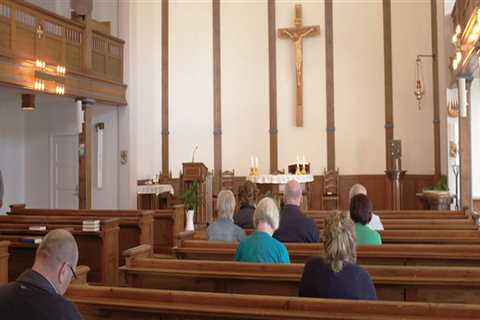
point(309, 140)
point(146, 96)
point(12, 150)
point(191, 83)
point(105, 197)
point(359, 87)
point(475, 108)
point(52, 116)
point(411, 35)
point(106, 10)
point(245, 99)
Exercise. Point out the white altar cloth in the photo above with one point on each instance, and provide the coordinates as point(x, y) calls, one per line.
point(280, 178)
point(155, 189)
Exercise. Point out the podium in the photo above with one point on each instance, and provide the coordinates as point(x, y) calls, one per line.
point(198, 172)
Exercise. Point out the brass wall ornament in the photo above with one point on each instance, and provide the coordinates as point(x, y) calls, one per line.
point(453, 149)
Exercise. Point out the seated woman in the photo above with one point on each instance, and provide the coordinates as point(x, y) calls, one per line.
point(224, 229)
point(260, 246)
point(361, 214)
point(247, 195)
point(337, 275)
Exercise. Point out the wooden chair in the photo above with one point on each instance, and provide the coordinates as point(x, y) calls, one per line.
point(330, 188)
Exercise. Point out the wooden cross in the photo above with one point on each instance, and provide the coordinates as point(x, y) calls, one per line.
point(296, 34)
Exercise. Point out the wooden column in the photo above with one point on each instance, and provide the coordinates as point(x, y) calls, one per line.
point(85, 161)
point(165, 127)
point(393, 189)
point(387, 60)
point(272, 77)
point(466, 154)
point(217, 101)
point(436, 90)
point(330, 92)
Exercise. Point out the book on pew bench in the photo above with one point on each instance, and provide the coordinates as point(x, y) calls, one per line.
point(91, 225)
point(37, 228)
point(31, 240)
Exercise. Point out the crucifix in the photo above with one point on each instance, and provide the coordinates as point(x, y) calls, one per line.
point(296, 34)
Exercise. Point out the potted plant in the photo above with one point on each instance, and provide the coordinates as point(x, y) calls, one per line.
point(191, 200)
point(437, 197)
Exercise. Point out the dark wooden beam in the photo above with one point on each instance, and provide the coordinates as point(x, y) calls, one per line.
point(330, 90)
point(272, 77)
point(387, 59)
point(165, 126)
point(217, 101)
point(436, 89)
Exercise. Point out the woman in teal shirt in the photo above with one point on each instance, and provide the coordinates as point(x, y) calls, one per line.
point(361, 214)
point(260, 246)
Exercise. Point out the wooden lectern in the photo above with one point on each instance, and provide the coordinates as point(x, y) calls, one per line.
point(198, 172)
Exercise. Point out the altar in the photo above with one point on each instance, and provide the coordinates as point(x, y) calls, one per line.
point(274, 185)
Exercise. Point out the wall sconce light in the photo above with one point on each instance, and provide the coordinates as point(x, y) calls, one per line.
point(458, 50)
point(28, 102)
point(61, 70)
point(40, 64)
point(39, 85)
point(419, 80)
point(60, 89)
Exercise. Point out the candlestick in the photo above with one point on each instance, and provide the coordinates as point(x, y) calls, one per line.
point(256, 163)
point(251, 162)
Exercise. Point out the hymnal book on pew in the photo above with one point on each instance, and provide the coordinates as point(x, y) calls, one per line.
point(37, 228)
point(31, 240)
point(91, 225)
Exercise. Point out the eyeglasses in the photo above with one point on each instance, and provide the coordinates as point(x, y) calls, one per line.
point(71, 269)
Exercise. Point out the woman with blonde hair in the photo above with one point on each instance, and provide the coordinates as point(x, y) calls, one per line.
point(260, 246)
point(337, 275)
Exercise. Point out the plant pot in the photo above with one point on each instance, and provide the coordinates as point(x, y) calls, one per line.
point(189, 218)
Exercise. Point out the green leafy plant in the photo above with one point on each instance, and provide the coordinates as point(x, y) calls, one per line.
point(441, 185)
point(190, 196)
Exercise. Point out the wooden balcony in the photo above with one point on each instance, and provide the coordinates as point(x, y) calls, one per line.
point(93, 59)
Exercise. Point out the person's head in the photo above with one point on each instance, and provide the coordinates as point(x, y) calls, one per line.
point(225, 204)
point(339, 240)
point(361, 209)
point(293, 193)
point(357, 189)
point(247, 193)
point(56, 259)
point(266, 215)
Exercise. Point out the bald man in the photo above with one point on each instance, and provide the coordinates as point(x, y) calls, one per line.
point(38, 293)
point(294, 225)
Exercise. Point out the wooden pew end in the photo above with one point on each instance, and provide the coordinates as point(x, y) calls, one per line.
point(141, 251)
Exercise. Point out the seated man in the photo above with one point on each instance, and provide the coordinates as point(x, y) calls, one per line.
point(38, 293)
point(375, 223)
point(294, 225)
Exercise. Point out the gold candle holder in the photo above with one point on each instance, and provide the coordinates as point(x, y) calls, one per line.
point(297, 171)
point(304, 169)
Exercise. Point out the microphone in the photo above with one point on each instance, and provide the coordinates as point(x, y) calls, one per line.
point(193, 154)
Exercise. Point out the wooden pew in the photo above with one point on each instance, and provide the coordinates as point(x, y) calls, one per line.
point(166, 223)
point(402, 214)
point(421, 224)
point(131, 303)
point(393, 236)
point(4, 262)
point(135, 226)
point(99, 250)
point(400, 283)
point(386, 254)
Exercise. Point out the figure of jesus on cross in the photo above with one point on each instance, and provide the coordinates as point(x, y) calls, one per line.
point(296, 34)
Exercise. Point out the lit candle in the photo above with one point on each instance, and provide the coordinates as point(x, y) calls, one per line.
point(256, 162)
point(303, 160)
point(251, 162)
point(298, 161)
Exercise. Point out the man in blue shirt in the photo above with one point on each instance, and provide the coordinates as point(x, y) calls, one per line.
point(294, 225)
